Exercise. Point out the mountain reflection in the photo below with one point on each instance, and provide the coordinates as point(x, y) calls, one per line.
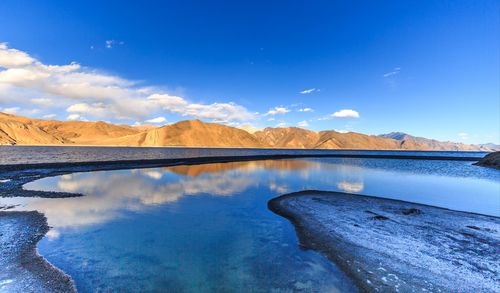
point(249, 166)
point(110, 194)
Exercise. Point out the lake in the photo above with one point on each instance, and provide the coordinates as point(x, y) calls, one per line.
point(207, 227)
point(52, 154)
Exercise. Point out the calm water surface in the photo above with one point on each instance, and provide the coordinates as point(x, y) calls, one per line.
point(207, 227)
point(52, 154)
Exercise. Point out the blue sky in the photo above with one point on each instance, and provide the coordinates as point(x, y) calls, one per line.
point(428, 68)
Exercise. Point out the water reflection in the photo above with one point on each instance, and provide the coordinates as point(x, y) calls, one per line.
point(351, 187)
point(183, 228)
point(247, 167)
point(207, 227)
point(110, 193)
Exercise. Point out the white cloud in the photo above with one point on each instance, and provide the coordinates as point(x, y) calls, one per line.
point(31, 111)
point(463, 135)
point(393, 72)
point(42, 101)
point(218, 112)
point(271, 119)
point(157, 120)
point(111, 43)
point(95, 109)
point(346, 113)
point(277, 110)
point(329, 117)
point(306, 110)
point(75, 117)
point(49, 116)
point(13, 57)
point(303, 124)
point(281, 124)
point(96, 94)
point(309, 91)
point(12, 110)
point(341, 131)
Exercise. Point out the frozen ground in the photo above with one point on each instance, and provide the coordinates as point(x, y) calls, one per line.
point(395, 246)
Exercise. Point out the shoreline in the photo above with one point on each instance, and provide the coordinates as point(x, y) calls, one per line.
point(491, 160)
point(218, 159)
point(13, 177)
point(387, 245)
point(24, 269)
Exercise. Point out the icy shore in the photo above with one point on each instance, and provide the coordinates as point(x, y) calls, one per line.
point(394, 246)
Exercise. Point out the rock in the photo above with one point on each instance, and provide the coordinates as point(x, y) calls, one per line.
point(379, 218)
point(490, 160)
point(411, 211)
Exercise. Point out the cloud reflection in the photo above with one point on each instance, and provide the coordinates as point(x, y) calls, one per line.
point(351, 186)
point(112, 194)
point(108, 194)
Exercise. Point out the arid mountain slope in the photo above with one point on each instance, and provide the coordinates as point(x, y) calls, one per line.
point(18, 130)
point(293, 137)
point(80, 132)
point(410, 142)
point(290, 137)
point(352, 140)
point(21, 130)
point(193, 133)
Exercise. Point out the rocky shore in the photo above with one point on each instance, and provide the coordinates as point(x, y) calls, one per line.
point(395, 246)
point(490, 160)
point(23, 269)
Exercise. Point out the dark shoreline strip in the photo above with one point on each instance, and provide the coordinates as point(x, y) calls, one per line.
point(219, 159)
point(23, 269)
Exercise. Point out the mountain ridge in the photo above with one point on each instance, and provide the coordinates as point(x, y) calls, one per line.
point(19, 130)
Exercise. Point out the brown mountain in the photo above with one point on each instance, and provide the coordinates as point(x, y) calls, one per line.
point(25, 131)
point(293, 137)
point(193, 133)
point(410, 142)
point(352, 140)
point(290, 137)
point(18, 130)
point(84, 133)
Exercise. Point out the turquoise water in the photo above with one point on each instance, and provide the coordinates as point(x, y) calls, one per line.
point(207, 228)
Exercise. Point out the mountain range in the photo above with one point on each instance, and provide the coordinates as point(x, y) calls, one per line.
point(19, 130)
